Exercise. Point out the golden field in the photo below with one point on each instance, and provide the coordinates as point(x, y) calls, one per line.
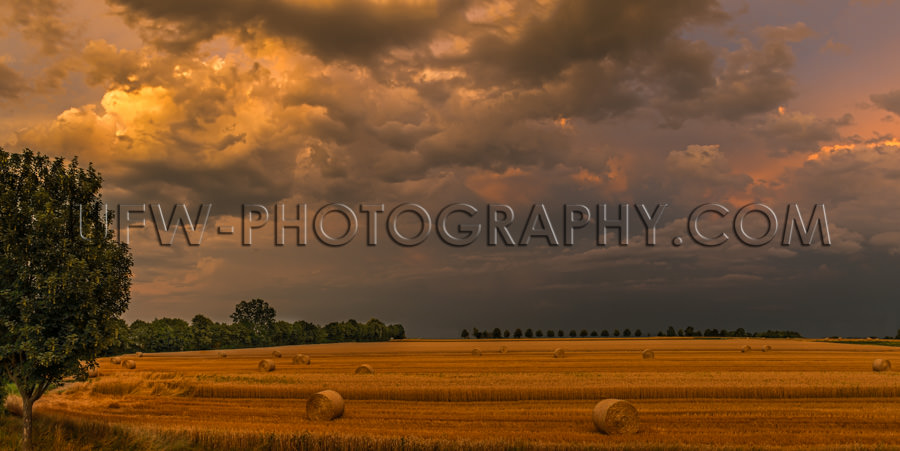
point(696, 393)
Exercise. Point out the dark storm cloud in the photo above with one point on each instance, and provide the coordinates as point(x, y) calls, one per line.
point(582, 30)
point(377, 103)
point(107, 64)
point(40, 21)
point(12, 84)
point(351, 29)
point(755, 78)
point(798, 132)
point(888, 101)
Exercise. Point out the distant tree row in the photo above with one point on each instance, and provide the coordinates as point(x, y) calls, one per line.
point(670, 332)
point(253, 325)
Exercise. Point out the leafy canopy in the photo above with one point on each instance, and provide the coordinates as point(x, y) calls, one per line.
point(63, 281)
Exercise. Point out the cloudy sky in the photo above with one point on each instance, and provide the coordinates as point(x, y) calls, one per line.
point(232, 102)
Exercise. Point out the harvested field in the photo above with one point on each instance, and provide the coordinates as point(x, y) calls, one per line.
point(694, 393)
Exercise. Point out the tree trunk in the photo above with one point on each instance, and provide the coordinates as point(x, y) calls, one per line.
point(27, 404)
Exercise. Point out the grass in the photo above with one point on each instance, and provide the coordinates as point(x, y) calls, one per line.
point(61, 434)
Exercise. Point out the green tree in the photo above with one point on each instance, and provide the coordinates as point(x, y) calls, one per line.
point(464, 333)
point(283, 334)
point(626, 333)
point(583, 333)
point(615, 332)
point(203, 332)
point(539, 333)
point(257, 315)
point(63, 278)
point(496, 333)
point(670, 332)
point(506, 333)
point(528, 333)
point(572, 333)
point(517, 333)
point(311, 333)
point(396, 332)
point(604, 333)
point(593, 333)
point(550, 334)
point(638, 333)
point(560, 333)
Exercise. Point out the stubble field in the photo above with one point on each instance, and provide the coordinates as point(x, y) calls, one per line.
point(695, 393)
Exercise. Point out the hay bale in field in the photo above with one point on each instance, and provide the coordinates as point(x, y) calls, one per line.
point(129, 364)
point(766, 348)
point(746, 348)
point(880, 365)
point(614, 416)
point(503, 350)
point(276, 353)
point(325, 406)
point(266, 365)
point(364, 369)
point(476, 351)
point(301, 359)
point(222, 355)
point(559, 353)
point(115, 360)
point(139, 354)
point(648, 354)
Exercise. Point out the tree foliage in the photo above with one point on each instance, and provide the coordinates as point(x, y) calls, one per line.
point(255, 314)
point(627, 332)
point(202, 333)
point(63, 280)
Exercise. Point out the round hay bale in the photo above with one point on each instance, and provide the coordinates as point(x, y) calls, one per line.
point(766, 348)
point(139, 354)
point(325, 406)
point(614, 416)
point(880, 365)
point(276, 353)
point(115, 360)
point(559, 353)
point(648, 354)
point(476, 351)
point(301, 359)
point(129, 364)
point(503, 350)
point(365, 369)
point(746, 348)
point(222, 355)
point(266, 365)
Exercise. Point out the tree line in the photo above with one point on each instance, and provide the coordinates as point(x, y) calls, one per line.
point(670, 332)
point(253, 325)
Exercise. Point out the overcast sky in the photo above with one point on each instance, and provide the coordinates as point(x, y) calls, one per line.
point(232, 102)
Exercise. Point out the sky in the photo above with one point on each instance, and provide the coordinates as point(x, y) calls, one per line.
point(381, 102)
